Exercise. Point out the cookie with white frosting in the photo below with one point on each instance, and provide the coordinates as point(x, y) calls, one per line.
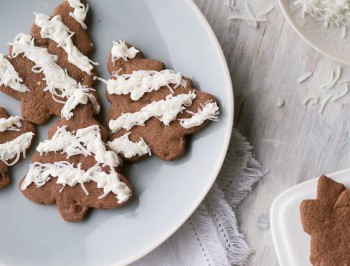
point(46, 68)
point(153, 109)
point(75, 170)
point(16, 137)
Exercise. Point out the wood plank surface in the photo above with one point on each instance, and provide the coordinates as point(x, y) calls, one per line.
point(295, 142)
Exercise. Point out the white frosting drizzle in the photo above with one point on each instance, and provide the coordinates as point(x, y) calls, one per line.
point(209, 111)
point(142, 81)
point(121, 50)
point(55, 30)
point(79, 96)
point(58, 82)
point(123, 145)
point(67, 174)
point(9, 76)
point(12, 123)
point(84, 141)
point(14, 148)
point(80, 12)
point(165, 110)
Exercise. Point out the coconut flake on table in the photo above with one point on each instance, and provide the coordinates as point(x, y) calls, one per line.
point(279, 101)
point(305, 77)
point(335, 75)
point(341, 95)
point(249, 16)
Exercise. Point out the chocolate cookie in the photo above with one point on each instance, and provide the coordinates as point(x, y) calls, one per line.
point(16, 137)
point(75, 170)
point(153, 109)
point(327, 220)
point(44, 69)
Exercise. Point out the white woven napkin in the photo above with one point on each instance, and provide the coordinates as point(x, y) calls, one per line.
point(211, 235)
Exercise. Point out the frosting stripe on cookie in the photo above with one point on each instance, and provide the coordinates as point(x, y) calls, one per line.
point(121, 51)
point(59, 83)
point(68, 174)
point(9, 76)
point(55, 30)
point(142, 81)
point(14, 148)
point(123, 145)
point(12, 123)
point(165, 110)
point(80, 12)
point(84, 141)
point(79, 96)
point(209, 111)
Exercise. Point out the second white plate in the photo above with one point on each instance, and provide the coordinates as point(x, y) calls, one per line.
point(292, 244)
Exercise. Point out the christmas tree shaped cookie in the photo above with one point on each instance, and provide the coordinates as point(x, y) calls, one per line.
point(43, 70)
point(153, 108)
point(16, 137)
point(75, 170)
point(327, 220)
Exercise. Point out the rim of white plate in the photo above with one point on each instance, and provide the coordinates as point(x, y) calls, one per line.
point(230, 110)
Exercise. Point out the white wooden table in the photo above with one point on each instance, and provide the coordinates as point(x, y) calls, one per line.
point(293, 143)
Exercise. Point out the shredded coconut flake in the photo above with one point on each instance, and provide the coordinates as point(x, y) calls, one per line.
point(341, 95)
point(312, 99)
point(14, 148)
point(81, 95)
point(84, 141)
point(59, 84)
point(335, 75)
point(330, 12)
point(305, 77)
point(80, 12)
point(279, 102)
point(13, 123)
point(140, 82)
point(323, 106)
point(209, 111)
point(123, 145)
point(9, 76)
point(165, 110)
point(121, 50)
point(71, 175)
point(54, 29)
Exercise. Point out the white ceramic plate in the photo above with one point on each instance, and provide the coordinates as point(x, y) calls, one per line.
point(327, 41)
point(176, 33)
point(292, 244)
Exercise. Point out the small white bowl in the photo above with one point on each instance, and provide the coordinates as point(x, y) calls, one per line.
point(327, 41)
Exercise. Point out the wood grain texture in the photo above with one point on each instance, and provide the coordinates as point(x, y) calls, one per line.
point(293, 143)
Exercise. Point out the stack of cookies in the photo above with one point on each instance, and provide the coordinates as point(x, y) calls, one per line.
point(79, 167)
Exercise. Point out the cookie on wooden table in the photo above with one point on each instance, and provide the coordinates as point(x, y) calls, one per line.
point(153, 109)
point(16, 137)
point(327, 220)
point(75, 170)
point(43, 70)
